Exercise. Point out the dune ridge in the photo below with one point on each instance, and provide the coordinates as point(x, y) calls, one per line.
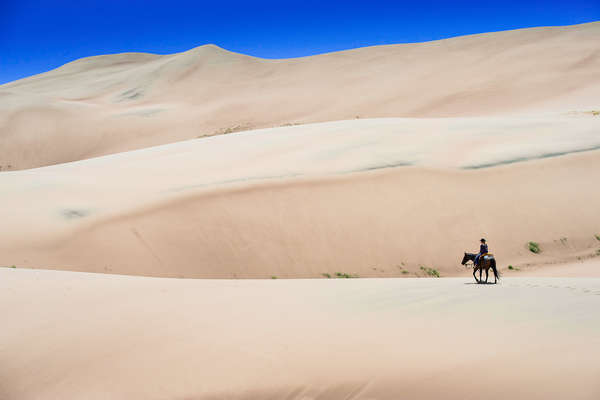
point(128, 214)
point(113, 103)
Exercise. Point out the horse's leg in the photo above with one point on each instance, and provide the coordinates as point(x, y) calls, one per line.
point(486, 274)
point(475, 276)
point(480, 271)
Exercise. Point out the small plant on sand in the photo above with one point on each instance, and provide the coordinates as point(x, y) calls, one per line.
point(514, 268)
point(430, 271)
point(534, 247)
point(597, 237)
point(595, 113)
point(273, 277)
point(345, 275)
point(326, 275)
point(404, 271)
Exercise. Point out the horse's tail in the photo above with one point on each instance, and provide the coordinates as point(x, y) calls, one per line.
point(496, 273)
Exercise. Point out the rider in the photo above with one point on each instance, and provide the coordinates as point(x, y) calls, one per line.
point(483, 249)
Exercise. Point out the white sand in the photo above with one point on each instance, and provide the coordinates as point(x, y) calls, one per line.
point(68, 335)
point(313, 199)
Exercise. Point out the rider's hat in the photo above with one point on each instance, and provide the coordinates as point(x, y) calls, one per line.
point(482, 240)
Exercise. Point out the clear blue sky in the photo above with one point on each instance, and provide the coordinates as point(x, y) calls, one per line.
point(36, 36)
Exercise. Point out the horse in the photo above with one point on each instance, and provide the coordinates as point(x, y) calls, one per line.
point(484, 263)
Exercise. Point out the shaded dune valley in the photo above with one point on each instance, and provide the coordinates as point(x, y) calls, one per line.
point(211, 225)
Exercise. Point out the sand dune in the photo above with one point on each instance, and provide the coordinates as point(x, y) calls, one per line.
point(489, 135)
point(153, 338)
point(368, 197)
point(113, 103)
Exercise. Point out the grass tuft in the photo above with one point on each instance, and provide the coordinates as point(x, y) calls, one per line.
point(430, 271)
point(534, 247)
point(597, 237)
point(326, 275)
point(344, 275)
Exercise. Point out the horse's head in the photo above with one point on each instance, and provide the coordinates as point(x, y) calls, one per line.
point(465, 259)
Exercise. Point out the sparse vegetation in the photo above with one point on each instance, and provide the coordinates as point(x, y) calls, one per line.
point(232, 129)
point(430, 271)
point(401, 268)
point(563, 240)
point(345, 275)
point(595, 112)
point(597, 237)
point(514, 268)
point(326, 275)
point(273, 277)
point(534, 247)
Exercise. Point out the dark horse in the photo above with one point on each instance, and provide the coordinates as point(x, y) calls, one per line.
point(484, 263)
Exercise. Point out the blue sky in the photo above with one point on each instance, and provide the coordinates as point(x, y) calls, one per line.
point(36, 36)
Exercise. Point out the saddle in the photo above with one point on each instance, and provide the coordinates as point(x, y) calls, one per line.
point(487, 256)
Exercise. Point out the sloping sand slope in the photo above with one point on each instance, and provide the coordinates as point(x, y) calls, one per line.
point(109, 104)
point(368, 197)
point(69, 335)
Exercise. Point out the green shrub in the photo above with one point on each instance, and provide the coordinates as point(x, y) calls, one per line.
point(326, 275)
point(430, 271)
point(273, 277)
point(404, 271)
point(534, 247)
point(345, 275)
point(597, 237)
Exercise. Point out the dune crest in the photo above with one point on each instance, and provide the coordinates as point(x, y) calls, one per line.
point(113, 103)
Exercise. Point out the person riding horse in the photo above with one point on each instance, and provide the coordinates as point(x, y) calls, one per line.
point(482, 261)
point(483, 250)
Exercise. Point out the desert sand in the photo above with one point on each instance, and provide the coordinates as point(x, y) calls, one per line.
point(113, 103)
point(370, 197)
point(69, 335)
point(122, 172)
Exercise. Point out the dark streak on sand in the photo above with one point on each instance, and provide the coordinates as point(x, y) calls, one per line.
point(538, 157)
point(70, 213)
